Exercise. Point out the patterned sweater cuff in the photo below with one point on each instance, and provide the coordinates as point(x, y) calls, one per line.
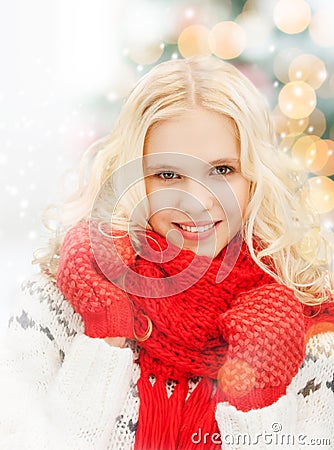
point(90, 390)
point(258, 428)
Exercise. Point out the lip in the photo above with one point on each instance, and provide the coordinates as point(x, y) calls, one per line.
point(200, 235)
point(199, 223)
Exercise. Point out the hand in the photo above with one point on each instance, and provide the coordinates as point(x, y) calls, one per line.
point(115, 341)
point(104, 308)
point(265, 332)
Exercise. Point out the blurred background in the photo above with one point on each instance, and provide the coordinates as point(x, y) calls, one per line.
point(67, 66)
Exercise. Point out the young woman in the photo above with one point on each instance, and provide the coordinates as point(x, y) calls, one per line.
point(175, 308)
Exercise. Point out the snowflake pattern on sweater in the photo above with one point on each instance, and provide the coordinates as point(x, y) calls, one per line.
point(64, 390)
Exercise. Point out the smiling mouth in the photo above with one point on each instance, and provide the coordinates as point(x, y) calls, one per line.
point(199, 229)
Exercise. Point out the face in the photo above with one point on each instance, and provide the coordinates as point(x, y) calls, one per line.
point(196, 193)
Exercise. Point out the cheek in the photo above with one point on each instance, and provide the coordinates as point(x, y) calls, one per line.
point(240, 188)
point(160, 200)
point(233, 196)
point(234, 202)
point(149, 187)
point(160, 222)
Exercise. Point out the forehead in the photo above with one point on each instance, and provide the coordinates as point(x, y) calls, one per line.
point(198, 132)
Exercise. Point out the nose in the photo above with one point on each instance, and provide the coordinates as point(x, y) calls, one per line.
point(196, 198)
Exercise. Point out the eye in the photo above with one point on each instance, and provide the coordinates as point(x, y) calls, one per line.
point(167, 175)
point(222, 170)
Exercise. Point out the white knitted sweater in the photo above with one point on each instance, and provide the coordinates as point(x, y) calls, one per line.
point(61, 390)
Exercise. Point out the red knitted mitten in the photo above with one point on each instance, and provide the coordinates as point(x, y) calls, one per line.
point(265, 331)
point(104, 308)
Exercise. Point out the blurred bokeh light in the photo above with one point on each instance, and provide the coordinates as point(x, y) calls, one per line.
point(321, 194)
point(297, 100)
point(194, 40)
point(292, 16)
point(228, 40)
point(308, 68)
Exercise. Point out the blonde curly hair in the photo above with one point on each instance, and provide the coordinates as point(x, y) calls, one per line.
point(275, 218)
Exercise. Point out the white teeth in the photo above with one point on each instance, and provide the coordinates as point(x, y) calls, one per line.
point(196, 229)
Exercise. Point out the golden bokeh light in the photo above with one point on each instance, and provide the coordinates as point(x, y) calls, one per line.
point(280, 122)
point(326, 90)
point(194, 40)
point(236, 377)
point(146, 54)
point(316, 123)
point(318, 328)
point(250, 5)
point(144, 42)
point(181, 15)
point(286, 144)
point(308, 68)
point(300, 148)
point(298, 126)
point(316, 155)
point(292, 16)
point(331, 84)
point(328, 168)
point(227, 40)
point(322, 26)
point(282, 63)
point(297, 99)
point(286, 127)
point(327, 222)
point(321, 194)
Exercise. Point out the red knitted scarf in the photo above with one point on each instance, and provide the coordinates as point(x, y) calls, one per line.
point(188, 333)
point(186, 342)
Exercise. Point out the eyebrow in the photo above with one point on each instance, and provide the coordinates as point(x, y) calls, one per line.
point(224, 161)
point(168, 166)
